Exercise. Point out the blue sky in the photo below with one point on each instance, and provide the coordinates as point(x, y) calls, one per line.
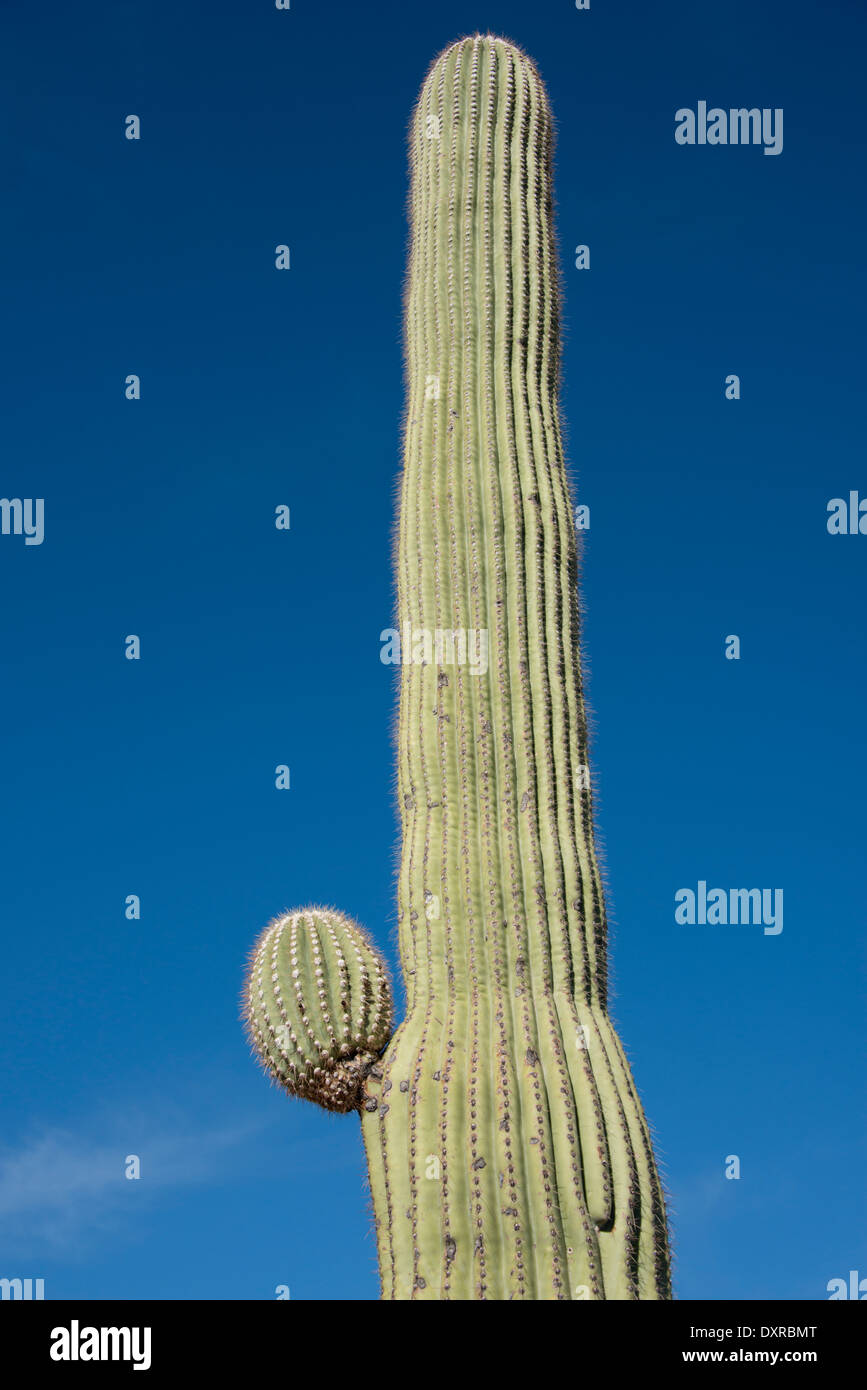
point(260, 647)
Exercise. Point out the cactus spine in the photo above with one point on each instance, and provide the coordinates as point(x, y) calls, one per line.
point(508, 1153)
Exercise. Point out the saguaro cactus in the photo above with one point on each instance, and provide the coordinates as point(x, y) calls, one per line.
point(508, 1153)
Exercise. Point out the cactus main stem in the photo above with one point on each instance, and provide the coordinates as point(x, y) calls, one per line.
point(509, 1156)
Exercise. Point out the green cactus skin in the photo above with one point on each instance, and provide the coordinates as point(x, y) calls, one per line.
point(508, 1153)
point(317, 1006)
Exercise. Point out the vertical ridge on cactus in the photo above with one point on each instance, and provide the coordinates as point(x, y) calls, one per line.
point(508, 1152)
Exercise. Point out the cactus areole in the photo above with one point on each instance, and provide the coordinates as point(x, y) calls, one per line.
point(508, 1153)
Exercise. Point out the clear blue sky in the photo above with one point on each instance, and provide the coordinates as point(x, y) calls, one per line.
point(259, 647)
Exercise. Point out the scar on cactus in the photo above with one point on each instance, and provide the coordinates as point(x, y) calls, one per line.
point(508, 1151)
